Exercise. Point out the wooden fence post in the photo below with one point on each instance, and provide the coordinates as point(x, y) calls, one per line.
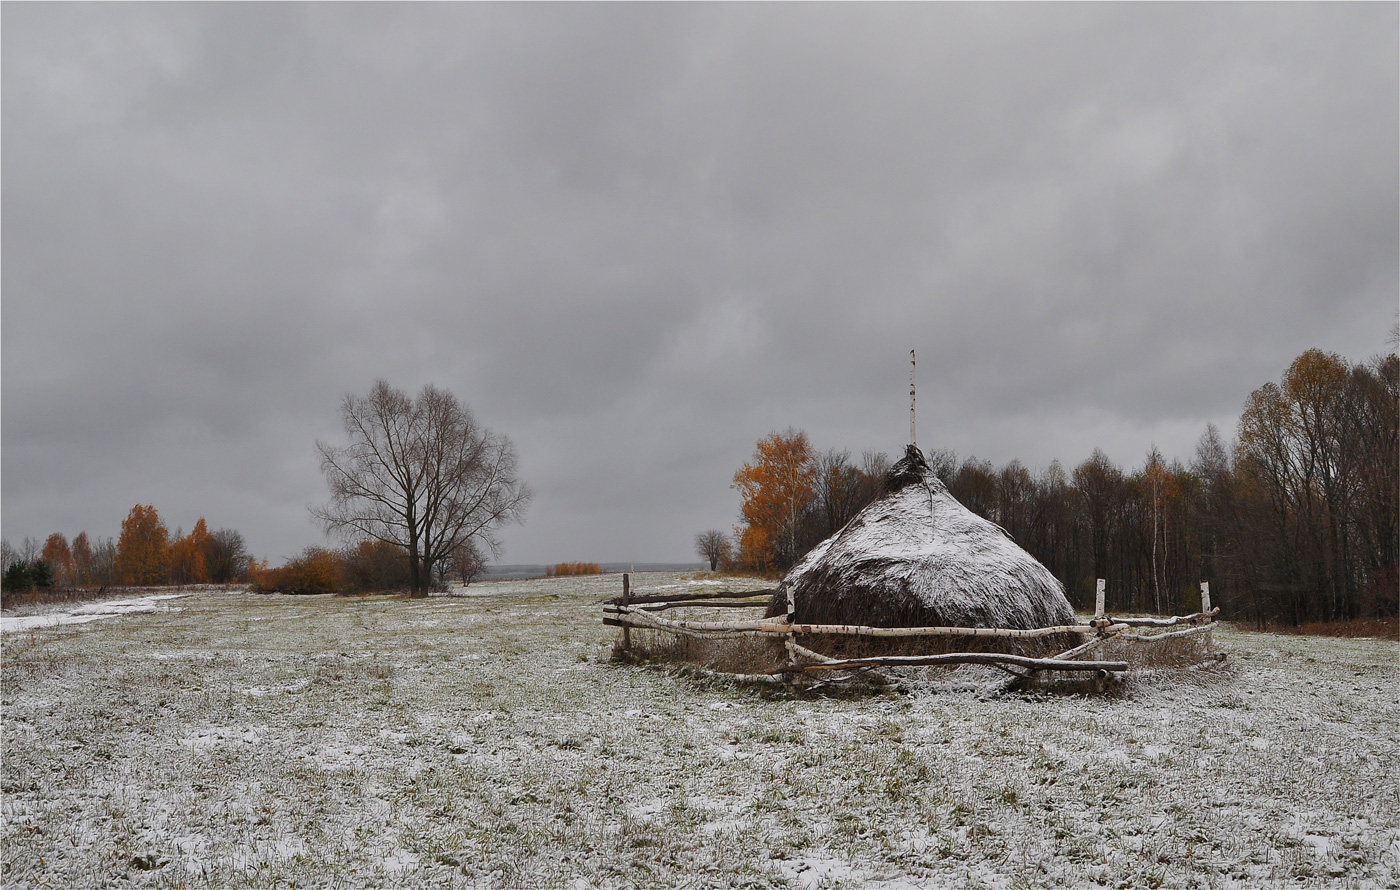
point(1205, 599)
point(626, 630)
point(788, 641)
point(1098, 600)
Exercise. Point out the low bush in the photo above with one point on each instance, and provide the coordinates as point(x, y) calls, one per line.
point(316, 570)
point(375, 566)
point(565, 569)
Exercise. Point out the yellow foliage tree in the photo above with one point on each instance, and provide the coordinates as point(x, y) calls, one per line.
point(775, 488)
point(143, 550)
point(188, 564)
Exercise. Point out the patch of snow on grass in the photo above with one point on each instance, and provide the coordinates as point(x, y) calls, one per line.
point(812, 872)
point(215, 736)
point(88, 612)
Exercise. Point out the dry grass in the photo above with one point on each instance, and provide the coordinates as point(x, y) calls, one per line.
point(1374, 628)
point(1142, 651)
point(743, 655)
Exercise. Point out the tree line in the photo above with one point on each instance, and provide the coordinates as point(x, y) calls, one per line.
point(1295, 521)
point(145, 554)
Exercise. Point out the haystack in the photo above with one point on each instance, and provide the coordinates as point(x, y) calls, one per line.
point(915, 557)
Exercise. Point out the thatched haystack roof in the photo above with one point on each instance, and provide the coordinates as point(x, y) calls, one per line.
point(915, 557)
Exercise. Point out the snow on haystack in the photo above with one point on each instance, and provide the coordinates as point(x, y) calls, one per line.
point(915, 557)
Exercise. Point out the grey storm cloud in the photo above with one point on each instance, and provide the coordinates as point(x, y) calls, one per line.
point(638, 237)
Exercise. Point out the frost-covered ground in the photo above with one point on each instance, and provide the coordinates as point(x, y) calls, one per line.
point(485, 740)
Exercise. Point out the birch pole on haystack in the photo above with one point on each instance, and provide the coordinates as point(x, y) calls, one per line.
point(1098, 599)
point(912, 439)
point(1205, 598)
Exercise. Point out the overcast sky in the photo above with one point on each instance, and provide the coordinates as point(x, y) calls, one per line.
point(637, 238)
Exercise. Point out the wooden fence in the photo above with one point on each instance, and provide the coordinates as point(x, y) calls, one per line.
point(630, 611)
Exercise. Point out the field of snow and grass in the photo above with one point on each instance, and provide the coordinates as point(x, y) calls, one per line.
point(227, 739)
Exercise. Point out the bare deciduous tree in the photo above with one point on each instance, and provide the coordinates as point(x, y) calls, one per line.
point(466, 563)
point(226, 556)
point(104, 563)
point(711, 545)
point(420, 474)
point(8, 555)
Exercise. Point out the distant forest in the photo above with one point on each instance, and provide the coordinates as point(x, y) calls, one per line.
point(146, 554)
point(1294, 522)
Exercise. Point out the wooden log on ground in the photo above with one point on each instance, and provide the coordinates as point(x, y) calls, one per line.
point(701, 670)
point(993, 658)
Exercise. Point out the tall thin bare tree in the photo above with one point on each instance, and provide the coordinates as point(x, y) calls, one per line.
point(420, 474)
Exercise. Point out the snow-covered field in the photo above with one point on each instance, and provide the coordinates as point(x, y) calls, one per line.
point(484, 740)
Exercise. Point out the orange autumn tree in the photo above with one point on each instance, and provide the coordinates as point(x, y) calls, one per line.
point(60, 559)
point(143, 550)
point(188, 563)
point(776, 488)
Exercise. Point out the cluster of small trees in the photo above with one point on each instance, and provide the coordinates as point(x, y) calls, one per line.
point(792, 497)
point(361, 568)
point(1310, 519)
point(1297, 521)
point(145, 554)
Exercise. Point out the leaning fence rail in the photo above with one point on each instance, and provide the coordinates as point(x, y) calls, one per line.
point(632, 611)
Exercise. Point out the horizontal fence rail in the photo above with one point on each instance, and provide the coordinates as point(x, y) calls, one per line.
point(1049, 664)
point(689, 598)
